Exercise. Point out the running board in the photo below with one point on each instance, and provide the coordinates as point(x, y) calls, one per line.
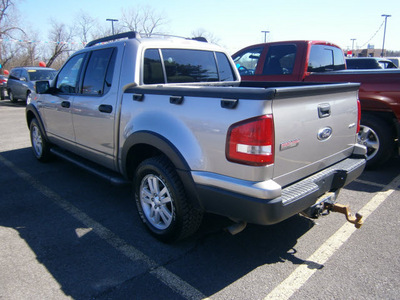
point(108, 175)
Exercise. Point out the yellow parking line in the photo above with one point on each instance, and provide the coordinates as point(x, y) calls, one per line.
point(302, 273)
point(170, 279)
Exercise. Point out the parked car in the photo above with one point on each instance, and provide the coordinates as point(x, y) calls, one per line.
point(320, 61)
point(21, 82)
point(369, 63)
point(3, 86)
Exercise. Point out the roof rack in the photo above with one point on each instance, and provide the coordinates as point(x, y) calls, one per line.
point(200, 39)
point(129, 35)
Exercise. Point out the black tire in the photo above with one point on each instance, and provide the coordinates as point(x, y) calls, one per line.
point(40, 146)
point(11, 96)
point(161, 201)
point(377, 136)
point(2, 93)
point(28, 96)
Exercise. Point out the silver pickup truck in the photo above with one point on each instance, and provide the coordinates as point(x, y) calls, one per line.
point(171, 116)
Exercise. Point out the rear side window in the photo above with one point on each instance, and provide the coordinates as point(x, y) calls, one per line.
point(224, 68)
point(152, 67)
point(183, 65)
point(189, 66)
point(325, 58)
point(95, 81)
point(280, 60)
point(15, 74)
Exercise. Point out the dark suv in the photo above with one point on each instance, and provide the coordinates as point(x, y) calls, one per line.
point(21, 82)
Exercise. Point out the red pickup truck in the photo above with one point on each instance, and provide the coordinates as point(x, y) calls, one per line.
point(318, 61)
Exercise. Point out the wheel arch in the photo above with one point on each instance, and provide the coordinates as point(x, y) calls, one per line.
point(32, 113)
point(145, 144)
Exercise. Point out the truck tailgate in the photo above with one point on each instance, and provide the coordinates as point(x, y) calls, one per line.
point(314, 128)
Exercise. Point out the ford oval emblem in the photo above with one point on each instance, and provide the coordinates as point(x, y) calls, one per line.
point(324, 133)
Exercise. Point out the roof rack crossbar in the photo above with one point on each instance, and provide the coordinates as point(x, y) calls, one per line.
point(129, 35)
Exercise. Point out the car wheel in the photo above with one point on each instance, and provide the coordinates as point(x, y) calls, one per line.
point(162, 203)
point(28, 97)
point(2, 94)
point(377, 136)
point(11, 96)
point(40, 146)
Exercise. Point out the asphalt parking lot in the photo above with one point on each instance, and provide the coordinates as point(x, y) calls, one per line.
point(66, 234)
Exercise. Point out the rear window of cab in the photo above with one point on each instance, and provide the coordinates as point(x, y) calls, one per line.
point(185, 65)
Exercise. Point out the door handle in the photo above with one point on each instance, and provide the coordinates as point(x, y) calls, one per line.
point(66, 104)
point(105, 108)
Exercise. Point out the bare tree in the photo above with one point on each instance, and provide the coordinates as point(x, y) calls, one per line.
point(62, 38)
point(143, 19)
point(8, 30)
point(85, 25)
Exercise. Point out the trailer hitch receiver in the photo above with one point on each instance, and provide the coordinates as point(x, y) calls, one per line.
point(344, 209)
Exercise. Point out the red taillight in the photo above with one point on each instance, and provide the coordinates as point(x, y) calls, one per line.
point(251, 142)
point(359, 115)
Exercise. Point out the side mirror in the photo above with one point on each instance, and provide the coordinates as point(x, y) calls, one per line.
point(42, 87)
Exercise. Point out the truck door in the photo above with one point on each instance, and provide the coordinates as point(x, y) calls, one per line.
point(94, 108)
point(56, 107)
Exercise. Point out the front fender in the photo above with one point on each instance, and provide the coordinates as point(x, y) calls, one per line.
point(31, 112)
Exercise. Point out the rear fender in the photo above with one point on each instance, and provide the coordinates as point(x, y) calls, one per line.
point(144, 144)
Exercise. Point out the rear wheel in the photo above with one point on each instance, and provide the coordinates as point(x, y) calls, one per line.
point(12, 97)
point(40, 146)
point(162, 203)
point(377, 136)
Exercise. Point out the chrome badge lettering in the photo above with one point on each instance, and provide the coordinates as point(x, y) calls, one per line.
point(324, 133)
point(289, 144)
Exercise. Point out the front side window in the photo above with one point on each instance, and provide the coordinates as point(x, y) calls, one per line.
point(67, 81)
point(95, 74)
point(246, 62)
point(325, 58)
point(280, 60)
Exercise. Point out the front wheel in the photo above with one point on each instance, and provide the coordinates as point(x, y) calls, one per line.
point(28, 97)
point(40, 146)
point(162, 203)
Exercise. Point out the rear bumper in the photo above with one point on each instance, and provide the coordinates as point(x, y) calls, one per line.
point(273, 203)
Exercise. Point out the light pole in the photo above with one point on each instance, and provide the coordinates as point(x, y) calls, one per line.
point(265, 35)
point(384, 35)
point(112, 23)
point(352, 45)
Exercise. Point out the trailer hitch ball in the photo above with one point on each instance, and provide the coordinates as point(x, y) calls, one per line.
point(344, 209)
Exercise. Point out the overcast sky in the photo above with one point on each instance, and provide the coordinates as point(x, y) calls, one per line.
point(239, 23)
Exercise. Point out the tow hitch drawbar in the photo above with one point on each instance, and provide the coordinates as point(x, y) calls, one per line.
point(344, 209)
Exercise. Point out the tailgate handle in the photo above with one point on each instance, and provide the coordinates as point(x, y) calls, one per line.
point(176, 100)
point(324, 110)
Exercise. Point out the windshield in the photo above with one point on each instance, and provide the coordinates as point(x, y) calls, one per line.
point(35, 75)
